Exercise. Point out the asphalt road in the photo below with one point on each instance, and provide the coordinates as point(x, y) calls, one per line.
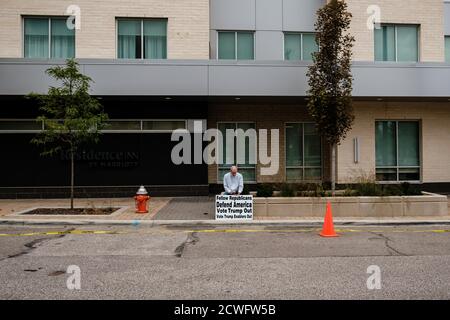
point(143, 262)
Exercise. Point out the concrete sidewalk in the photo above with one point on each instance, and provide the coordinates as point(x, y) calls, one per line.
point(169, 211)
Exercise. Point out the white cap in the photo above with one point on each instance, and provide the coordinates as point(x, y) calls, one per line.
point(142, 190)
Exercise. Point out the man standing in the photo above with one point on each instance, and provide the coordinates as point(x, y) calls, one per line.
point(233, 182)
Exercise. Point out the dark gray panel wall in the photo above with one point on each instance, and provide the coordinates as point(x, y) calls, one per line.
point(269, 45)
point(263, 16)
point(300, 15)
point(227, 78)
point(269, 15)
point(232, 14)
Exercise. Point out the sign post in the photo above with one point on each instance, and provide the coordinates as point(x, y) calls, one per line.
point(234, 208)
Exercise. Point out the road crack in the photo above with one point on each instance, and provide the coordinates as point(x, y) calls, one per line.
point(29, 246)
point(191, 239)
point(388, 245)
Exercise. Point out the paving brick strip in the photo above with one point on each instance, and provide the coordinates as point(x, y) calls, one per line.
point(170, 211)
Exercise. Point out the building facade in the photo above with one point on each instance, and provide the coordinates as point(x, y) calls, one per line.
point(160, 65)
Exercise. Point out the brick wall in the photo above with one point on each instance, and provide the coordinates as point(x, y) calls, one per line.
point(188, 24)
point(435, 149)
point(428, 13)
point(265, 117)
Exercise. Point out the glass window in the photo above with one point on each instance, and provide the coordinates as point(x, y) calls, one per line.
point(227, 45)
point(292, 46)
point(303, 152)
point(138, 38)
point(245, 46)
point(129, 39)
point(236, 45)
point(407, 43)
point(148, 125)
point(309, 46)
point(246, 168)
point(161, 125)
point(300, 46)
point(119, 125)
point(48, 38)
point(397, 150)
point(19, 125)
point(63, 39)
point(397, 43)
point(385, 43)
point(36, 38)
point(155, 39)
point(447, 49)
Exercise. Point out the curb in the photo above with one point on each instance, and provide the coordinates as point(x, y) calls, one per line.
point(174, 223)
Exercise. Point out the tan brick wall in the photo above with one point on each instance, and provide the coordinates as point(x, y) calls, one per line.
point(188, 24)
point(435, 152)
point(265, 117)
point(428, 13)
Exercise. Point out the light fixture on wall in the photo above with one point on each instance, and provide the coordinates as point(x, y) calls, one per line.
point(356, 150)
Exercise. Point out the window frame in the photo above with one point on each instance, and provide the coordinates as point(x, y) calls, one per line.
point(142, 130)
point(49, 22)
point(236, 44)
point(286, 167)
point(255, 167)
point(445, 49)
point(397, 167)
point(396, 25)
point(301, 33)
point(141, 22)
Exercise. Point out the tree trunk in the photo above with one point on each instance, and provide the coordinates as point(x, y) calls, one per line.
point(72, 178)
point(333, 170)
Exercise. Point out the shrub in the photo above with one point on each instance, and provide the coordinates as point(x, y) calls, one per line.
point(410, 190)
point(368, 189)
point(287, 190)
point(319, 191)
point(264, 190)
point(392, 190)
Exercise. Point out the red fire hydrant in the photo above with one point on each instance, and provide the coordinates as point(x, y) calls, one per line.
point(141, 199)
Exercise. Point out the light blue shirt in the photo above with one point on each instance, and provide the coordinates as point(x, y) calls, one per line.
point(231, 183)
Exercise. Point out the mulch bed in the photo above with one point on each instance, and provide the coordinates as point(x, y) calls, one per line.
point(75, 211)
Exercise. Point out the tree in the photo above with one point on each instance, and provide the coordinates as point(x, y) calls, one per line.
point(330, 78)
point(71, 117)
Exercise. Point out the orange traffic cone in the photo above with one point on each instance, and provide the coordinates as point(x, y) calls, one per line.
point(328, 226)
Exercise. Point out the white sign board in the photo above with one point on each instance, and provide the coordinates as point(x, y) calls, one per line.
point(234, 208)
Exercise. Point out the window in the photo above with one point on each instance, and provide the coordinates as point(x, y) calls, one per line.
point(116, 125)
point(247, 169)
point(397, 150)
point(48, 38)
point(142, 39)
point(397, 43)
point(303, 152)
point(299, 46)
point(20, 125)
point(145, 125)
point(447, 49)
point(236, 45)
